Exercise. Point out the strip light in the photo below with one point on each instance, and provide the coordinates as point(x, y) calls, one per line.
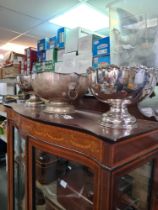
point(13, 47)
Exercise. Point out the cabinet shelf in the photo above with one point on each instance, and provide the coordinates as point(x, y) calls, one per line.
point(50, 192)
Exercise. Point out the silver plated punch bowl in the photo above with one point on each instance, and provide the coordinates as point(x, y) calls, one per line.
point(59, 89)
point(120, 86)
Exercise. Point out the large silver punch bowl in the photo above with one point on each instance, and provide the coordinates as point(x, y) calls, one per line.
point(59, 89)
point(24, 83)
point(120, 86)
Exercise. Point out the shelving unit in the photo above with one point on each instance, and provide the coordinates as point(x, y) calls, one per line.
point(10, 81)
point(50, 191)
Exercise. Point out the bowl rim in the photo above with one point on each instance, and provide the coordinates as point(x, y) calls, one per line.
point(59, 73)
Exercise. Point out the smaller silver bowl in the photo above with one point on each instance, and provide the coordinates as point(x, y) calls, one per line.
point(24, 83)
point(59, 89)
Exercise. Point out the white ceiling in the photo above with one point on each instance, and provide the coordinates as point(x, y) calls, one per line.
point(24, 22)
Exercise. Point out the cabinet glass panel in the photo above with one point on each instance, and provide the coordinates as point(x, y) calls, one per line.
point(19, 171)
point(134, 189)
point(61, 184)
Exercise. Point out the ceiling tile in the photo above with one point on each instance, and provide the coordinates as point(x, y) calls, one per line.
point(44, 30)
point(6, 35)
point(16, 22)
point(39, 9)
point(100, 5)
point(26, 40)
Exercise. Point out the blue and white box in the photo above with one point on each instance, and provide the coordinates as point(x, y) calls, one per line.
point(52, 42)
point(41, 56)
point(101, 61)
point(61, 36)
point(101, 47)
point(85, 43)
point(43, 44)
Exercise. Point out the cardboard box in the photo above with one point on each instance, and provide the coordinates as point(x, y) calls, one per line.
point(44, 66)
point(83, 61)
point(10, 71)
point(43, 44)
point(51, 55)
point(31, 53)
point(52, 42)
point(72, 39)
point(101, 47)
point(41, 56)
point(49, 66)
point(60, 54)
point(101, 61)
point(61, 35)
point(69, 62)
point(13, 58)
point(85, 44)
point(38, 67)
point(59, 67)
point(1, 73)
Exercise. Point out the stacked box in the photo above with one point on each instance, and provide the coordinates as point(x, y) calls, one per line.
point(60, 54)
point(72, 39)
point(61, 36)
point(43, 44)
point(1, 73)
point(101, 47)
point(52, 42)
point(49, 66)
point(101, 61)
point(69, 62)
point(59, 67)
point(51, 55)
point(83, 61)
point(85, 44)
point(44, 66)
point(41, 56)
point(10, 71)
point(30, 59)
point(22, 66)
point(38, 67)
point(13, 58)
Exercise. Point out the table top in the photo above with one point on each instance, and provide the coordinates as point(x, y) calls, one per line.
point(85, 121)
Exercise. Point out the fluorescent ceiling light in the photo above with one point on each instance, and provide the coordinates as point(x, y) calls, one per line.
point(83, 15)
point(13, 47)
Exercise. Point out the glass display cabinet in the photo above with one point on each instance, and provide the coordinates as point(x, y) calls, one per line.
point(19, 171)
point(133, 189)
point(55, 164)
point(60, 183)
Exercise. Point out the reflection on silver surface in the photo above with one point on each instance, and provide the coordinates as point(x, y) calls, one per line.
point(134, 32)
point(19, 171)
point(24, 82)
point(59, 89)
point(120, 86)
